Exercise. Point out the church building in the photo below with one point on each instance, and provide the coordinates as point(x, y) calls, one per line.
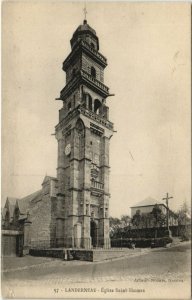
point(72, 210)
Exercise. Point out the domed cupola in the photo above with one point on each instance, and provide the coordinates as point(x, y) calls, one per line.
point(86, 33)
point(85, 65)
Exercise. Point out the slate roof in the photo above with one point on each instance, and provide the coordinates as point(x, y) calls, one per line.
point(11, 203)
point(3, 212)
point(47, 178)
point(147, 202)
point(24, 202)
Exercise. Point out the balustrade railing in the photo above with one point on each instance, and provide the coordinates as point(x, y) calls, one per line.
point(94, 80)
point(97, 185)
point(99, 55)
point(96, 117)
point(87, 76)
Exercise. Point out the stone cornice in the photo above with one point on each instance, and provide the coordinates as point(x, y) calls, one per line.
point(75, 112)
point(105, 166)
point(74, 158)
point(91, 115)
point(79, 189)
point(74, 189)
point(60, 218)
point(84, 215)
point(91, 189)
point(107, 194)
point(63, 168)
point(96, 192)
point(72, 215)
point(86, 189)
point(11, 232)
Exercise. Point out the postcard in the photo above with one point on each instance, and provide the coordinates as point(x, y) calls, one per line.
point(96, 181)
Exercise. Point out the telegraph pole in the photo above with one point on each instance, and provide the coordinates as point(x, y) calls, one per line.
point(167, 203)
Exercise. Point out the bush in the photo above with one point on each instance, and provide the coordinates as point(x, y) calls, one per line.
point(161, 242)
point(143, 243)
point(185, 237)
point(140, 242)
point(131, 243)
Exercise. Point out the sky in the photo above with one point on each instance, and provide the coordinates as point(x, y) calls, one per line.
point(148, 50)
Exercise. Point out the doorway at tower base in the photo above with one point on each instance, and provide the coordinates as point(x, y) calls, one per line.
point(89, 235)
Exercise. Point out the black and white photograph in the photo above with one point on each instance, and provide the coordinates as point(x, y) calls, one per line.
point(96, 150)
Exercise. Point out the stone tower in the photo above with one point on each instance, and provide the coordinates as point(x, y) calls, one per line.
point(83, 134)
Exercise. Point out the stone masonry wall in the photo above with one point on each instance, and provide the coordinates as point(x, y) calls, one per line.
point(41, 226)
point(87, 63)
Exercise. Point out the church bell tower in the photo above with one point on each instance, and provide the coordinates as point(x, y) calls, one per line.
point(83, 134)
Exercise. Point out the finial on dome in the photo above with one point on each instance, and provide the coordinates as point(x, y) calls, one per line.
point(85, 13)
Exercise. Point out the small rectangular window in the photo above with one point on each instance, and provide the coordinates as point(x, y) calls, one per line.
point(69, 106)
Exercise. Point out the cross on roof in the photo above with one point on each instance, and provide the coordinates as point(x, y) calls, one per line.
point(85, 11)
point(167, 199)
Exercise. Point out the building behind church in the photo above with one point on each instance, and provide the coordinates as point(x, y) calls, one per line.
point(145, 208)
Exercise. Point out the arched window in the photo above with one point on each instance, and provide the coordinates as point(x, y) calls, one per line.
point(80, 126)
point(84, 100)
point(80, 134)
point(92, 46)
point(97, 105)
point(93, 72)
point(89, 102)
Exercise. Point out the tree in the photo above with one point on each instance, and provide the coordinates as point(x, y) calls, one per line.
point(136, 220)
point(184, 220)
point(114, 221)
point(184, 214)
point(126, 219)
point(159, 217)
point(144, 220)
point(114, 224)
